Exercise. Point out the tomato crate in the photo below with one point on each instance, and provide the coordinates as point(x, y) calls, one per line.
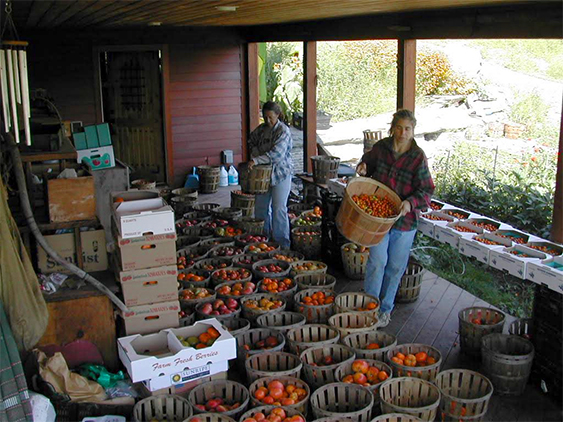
point(548, 308)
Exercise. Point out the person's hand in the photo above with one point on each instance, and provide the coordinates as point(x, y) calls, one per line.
point(362, 169)
point(250, 164)
point(406, 207)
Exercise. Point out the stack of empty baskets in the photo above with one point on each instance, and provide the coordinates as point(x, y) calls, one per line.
point(324, 168)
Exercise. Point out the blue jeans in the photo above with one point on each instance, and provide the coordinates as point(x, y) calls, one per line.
point(272, 208)
point(386, 265)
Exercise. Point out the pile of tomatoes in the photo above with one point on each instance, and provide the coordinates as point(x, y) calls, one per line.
point(275, 286)
point(318, 299)
point(278, 394)
point(375, 206)
point(418, 359)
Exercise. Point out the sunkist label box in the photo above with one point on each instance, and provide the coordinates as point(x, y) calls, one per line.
point(94, 253)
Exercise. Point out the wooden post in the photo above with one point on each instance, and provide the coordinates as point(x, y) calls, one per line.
point(168, 139)
point(406, 74)
point(309, 103)
point(244, 101)
point(253, 87)
point(557, 223)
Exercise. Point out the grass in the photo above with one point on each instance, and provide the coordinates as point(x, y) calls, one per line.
point(510, 294)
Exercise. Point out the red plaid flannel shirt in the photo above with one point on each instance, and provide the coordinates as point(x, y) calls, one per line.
point(408, 175)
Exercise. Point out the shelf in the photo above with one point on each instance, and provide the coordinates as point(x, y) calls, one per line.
point(66, 152)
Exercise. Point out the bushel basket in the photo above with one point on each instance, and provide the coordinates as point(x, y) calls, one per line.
point(314, 313)
point(281, 321)
point(208, 178)
point(411, 282)
point(256, 180)
point(307, 240)
point(409, 395)
point(344, 401)
point(318, 375)
point(353, 322)
point(356, 302)
point(324, 168)
point(354, 262)
point(474, 324)
point(300, 406)
point(243, 201)
point(254, 335)
point(346, 369)
point(210, 417)
point(230, 391)
point(311, 335)
point(358, 226)
point(272, 364)
point(165, 407)
point(427, 372)
point(360, 341)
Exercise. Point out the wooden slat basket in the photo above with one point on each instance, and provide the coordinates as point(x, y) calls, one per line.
point(227, 213)
point(206, 275)
point(354, 262)
point(185, 192)
point(289, 256)
point(204, 209)
point(229, 296)
point(236, 272)
point(168, 406)
point(428, 372)
point(236, 325)
point(308, 244)
point(311, 335)
point(253, 335)
point(216, 241)
point(230, 391)
point(301, 406)
point(182, 205)
point(185, 241)
point(324, 167)
point(300, 268)
point(346, 369)
point(212, 264)
point(507, 361)
point(358, 226)
point(271, 243)
point(243, 201)
point(200, 315)
point(200, 232)
point(252, 314)
point(396, 417)
point(266, 411)
point(411, 283)
point(354, 301)
point(256, 180)
point(285, 266)
point(359, 342)
point(522, 327)
point(250, 224)
point(470, 333)
point(413, 396)
point(318, 375)
point(465, 395)
point(272, 364)
point(208, 178)
point(192, 303)
point(286, 294)
point(241, 260)
point(343, 401)
point(210, 417)
point(353, 322)
point(315, 281)
point(281, 321)
point(314, 313)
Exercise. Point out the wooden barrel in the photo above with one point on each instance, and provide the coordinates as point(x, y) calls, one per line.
point(208, 178)
point(507, 361)
point(358, 226)
point(255, 181)
point(243, 201)
point(474, 324)
point(411, 282)
point(324, 167)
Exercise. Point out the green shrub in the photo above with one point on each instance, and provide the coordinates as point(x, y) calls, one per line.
point(530, 109)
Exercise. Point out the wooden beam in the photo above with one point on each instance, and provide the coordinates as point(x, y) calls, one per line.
point(167, 126)
point(406, 74)
point(309, 103)
point(253, 87)
point(557, 223)
point(244, 100)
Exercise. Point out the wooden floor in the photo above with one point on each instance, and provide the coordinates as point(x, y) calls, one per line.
point(433, 320)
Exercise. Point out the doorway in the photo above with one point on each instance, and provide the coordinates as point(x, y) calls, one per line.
point(132, 100)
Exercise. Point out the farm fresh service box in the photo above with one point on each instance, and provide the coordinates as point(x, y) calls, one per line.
point(154, 355)
point(149, 285)
point(143, 217)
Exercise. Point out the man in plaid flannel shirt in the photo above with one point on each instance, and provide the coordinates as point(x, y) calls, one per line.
point(399, 163)
point(271, 143)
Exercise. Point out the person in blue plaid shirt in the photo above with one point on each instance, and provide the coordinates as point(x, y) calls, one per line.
point(271, 143)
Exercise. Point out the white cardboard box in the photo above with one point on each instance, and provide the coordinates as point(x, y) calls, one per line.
point(465, 214)
point(481, 251)
point(149, 356)
point(483, 220)
point(552, 247)
point(142, 217)
point(149, 285)
point(135, 253)
point(448, 234)
point(516, 234)
point(542, 273)
point(151, 318)
point(516, 265)
point(337, 186)
point(189, 375)
point(428, 226)
point(97, 158)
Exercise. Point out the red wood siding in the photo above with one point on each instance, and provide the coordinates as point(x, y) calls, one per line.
point(205, 105)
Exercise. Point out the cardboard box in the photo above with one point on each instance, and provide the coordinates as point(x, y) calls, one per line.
point(191, 376)
point(516, 265)
point(182, 390)
point(451, 211)
point(548, 272)
point(548, 248)
point(142, 217)
point(97, 158)
point(151, 318)
point(479, 250)
point(72, 199)
point(496, 225)
point(436, 205)
point(94, 253)
point(515, 234)
point(427, 225)
point(149, 356)
point(151, 251)
point(151, 285)
point(337, 186)
point(448, 234)
point(132, 195)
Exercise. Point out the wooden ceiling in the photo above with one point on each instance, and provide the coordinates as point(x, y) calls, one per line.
point(174, 13)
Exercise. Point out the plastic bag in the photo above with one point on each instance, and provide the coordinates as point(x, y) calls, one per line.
point(43, 409)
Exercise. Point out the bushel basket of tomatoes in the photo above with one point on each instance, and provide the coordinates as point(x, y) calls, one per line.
point(272, 414)
point(287, 256)
point(192, 296)
point(235, 289)
point(316, 304)
point(230, 274)
point(212, 264)
point(415, 360)
point(271, 268)
point(320, 362)
point(365, 372)
point(219, 309)
point(255, 305)
point(283, 286)
point(288, 392)
point(221, 396)
point(258, 340)
point(262, 248)
point(248, 239)
point(226, 251)
point(193, 277)
point(375, 206)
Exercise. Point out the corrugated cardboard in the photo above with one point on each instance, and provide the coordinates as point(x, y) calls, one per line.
point(515, 265)
point(541, 273)
point(480, 251)
point(151, 285)
point(191, 376)
point(146, 216)
point(447, 234)
point(94, 253)
point(149, 356)
point(133, 195)
point(182, 390)
point(151, 318)
point(146, 251)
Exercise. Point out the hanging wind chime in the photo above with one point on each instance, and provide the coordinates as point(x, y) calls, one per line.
point(14, 83)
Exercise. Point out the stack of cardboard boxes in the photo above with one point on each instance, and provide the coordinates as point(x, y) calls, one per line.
point(145, 260)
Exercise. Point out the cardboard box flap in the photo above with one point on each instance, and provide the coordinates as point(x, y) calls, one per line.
point(549, 248)
point(157, 344)
point(442, 217)
point(473, 229)
point(523, 252)
point(133, 195)
point(514, 235)
point(555, 263)
point(456, 213)
point(502, 241)
point(141, 206)
point(485, 223)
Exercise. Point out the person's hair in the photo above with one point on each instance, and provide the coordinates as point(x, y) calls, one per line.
point(402, 114)
point(275, 107)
